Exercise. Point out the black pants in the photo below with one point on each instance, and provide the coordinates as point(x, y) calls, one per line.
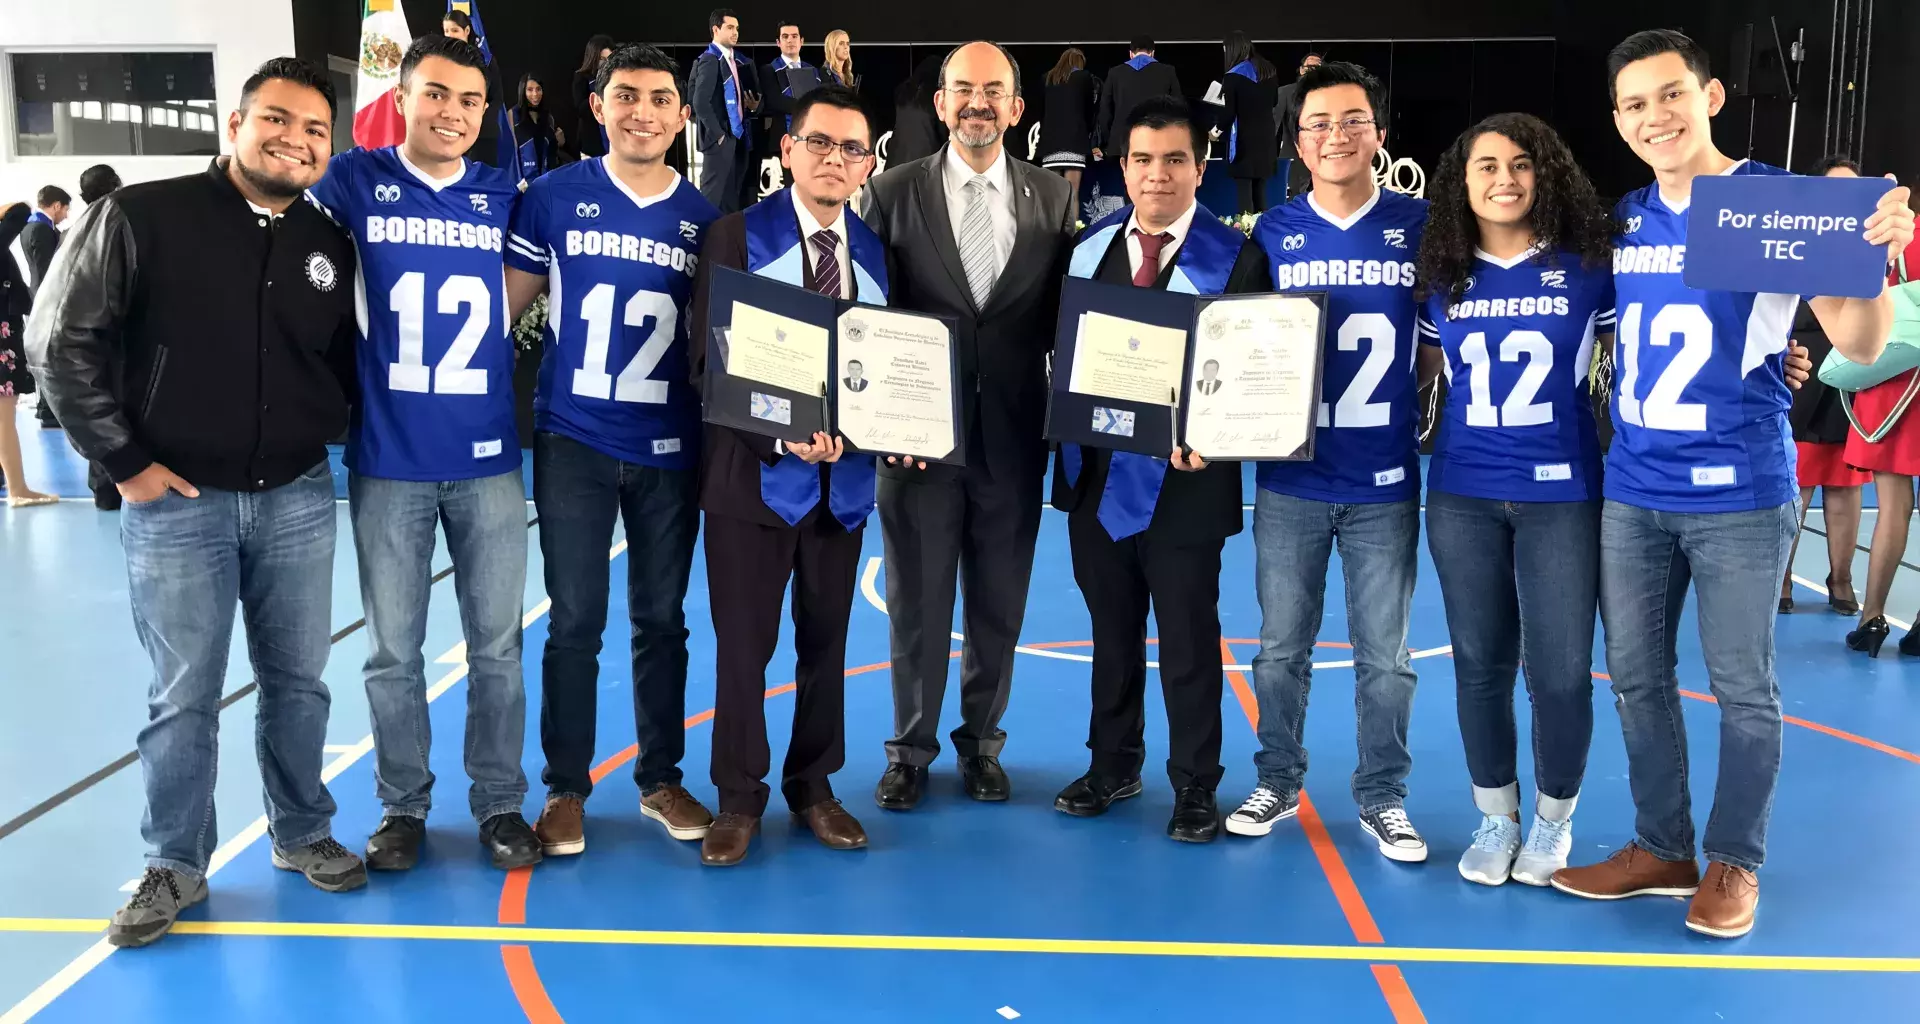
point(577, 492)
point(1182, 581)
point(1251, 194)
point(979, 526)
point(724, 170)
point(747, 570)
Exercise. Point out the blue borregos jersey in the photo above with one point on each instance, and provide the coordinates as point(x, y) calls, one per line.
point(619, 270)
point(435, 360)
point(1700, 398)
point(1366, 447)
point(1518, 425)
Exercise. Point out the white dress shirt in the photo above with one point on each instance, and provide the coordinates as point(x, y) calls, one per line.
point(1178, 229)
point(810, 226)
point(999, 202)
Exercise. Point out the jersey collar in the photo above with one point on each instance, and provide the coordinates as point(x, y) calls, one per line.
point(1358, 215)
point(426, 179)
point(640, 202)
point(1508, 264)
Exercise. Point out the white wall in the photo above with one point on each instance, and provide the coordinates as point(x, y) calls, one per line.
point(241, 33)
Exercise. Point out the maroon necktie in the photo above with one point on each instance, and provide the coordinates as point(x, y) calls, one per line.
point(1150, 246)
point(826, 271)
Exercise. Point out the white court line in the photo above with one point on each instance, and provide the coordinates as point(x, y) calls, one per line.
point(1803, 581)
point(51, 989)
point(873, 598)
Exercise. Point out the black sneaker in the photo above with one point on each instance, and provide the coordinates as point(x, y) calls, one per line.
point(510, 840)
point(1257, 815)
point(395, 845)
point(1395, 834)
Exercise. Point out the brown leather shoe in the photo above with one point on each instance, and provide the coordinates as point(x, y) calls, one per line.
point(832, 825)
point(726, 842)
point(1631, 871)
point(562, 828)
point(1724, 906)
point(674, 807)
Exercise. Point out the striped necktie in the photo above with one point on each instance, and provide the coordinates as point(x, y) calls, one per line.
point(977, 253)
point(826, 268)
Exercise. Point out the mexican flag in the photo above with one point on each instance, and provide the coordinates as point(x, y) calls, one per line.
point(383, 41)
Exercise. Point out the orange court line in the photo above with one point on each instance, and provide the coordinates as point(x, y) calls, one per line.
point(527, 988)
point(1838, 734)
point(1393, 984)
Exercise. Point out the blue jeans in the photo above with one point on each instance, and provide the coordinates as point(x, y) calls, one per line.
point(393, 522)
point(189, 560)
point(1735, 561)
point(578, 491)
point(1521, 584)
point(1293, 539)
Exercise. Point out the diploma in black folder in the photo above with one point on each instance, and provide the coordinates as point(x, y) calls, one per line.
point(787, 362)
point(1229, 377)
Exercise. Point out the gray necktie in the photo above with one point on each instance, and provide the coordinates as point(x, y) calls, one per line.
point(977, 254)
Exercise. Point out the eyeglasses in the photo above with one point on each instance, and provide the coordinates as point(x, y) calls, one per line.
point(820, 145)
point(1351, 127)
point(992, 93)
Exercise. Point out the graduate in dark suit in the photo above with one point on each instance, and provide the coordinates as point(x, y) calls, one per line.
point(1140, 78)
point(777, 511)
point(724, 92)
point(1150, 530)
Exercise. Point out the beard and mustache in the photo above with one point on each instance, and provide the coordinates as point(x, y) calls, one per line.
point(288, 184)
point(974, 133)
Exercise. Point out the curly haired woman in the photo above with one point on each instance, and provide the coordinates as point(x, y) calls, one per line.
point(1516, 275)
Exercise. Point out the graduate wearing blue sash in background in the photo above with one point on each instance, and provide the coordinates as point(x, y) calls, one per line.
point(777, 511)
point(1248, 93)
point(1150, 530)
point(724, 91)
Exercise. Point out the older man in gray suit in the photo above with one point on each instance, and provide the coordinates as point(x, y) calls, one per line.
point(982, 238)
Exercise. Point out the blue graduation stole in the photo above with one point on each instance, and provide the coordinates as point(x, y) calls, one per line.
point(1140, 63)
point(736, 118)
point(1244, 69)
point(1201, 266)
point(36, 217)
point(791, 487)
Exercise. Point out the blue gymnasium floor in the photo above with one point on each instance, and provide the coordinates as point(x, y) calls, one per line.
point(958, 911)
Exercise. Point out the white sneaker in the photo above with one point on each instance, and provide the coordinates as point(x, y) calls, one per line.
point(1490, 858)
point(1257, 816)
point(1548, 844)
point(1397, 838)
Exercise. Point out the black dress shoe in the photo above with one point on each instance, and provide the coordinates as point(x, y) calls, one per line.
point(395, 845)
point(511, 841)
point(1196, 818)
point(984, 778)
point(899, 788)
point(1089, 795)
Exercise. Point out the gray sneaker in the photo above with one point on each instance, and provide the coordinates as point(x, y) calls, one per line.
point(155, 905)
point(327, 864)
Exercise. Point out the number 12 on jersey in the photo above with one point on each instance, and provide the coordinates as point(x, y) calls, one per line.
point(452, 375)
point(652, 310)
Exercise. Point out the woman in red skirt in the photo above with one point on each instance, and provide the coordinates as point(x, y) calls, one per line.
point(1894, 461)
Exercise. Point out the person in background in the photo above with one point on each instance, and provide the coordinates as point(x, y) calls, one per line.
point(229, 501)
point(589, 135)
point(1148, 532)
point(918, 130)
point(541, 139)
point(1820, 434)
point(780, 513)
point(96, 183)
point(1066, 117)
point(1128, 83)
point(724, 95)
point(486, 149)
point(838, 60)
point(15, 300)
point(981, 237)
point(1894, 461)
point(609, 447)
point(1248, 117)
point(788, 79)
point(1297, 175)
point(1513, 488)
point(40, 239)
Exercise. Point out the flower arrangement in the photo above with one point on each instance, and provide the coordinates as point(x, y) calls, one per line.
point(528, 330)
point(1243, 222)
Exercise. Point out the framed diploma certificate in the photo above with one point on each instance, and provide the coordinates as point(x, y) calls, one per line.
point(1229, 377)
point(786, 362)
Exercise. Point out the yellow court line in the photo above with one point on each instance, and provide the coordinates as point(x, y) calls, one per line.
point(985, 944)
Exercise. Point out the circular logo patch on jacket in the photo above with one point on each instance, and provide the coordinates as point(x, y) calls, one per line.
point(320, 272)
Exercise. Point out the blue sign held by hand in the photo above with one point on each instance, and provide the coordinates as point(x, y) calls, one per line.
point(1791, 235)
